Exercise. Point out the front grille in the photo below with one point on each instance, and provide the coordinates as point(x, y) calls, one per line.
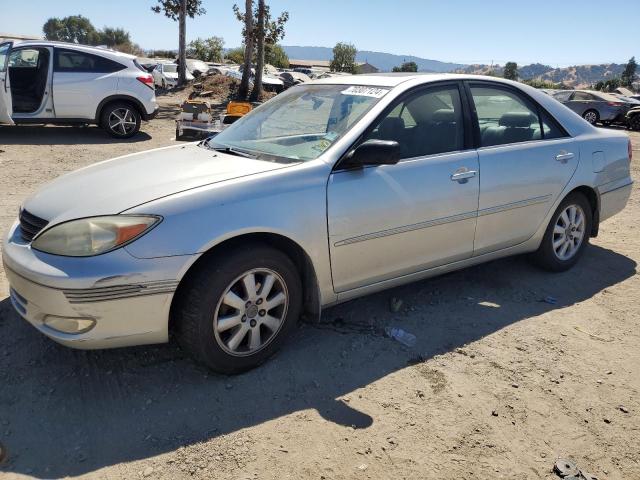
point(30, 225)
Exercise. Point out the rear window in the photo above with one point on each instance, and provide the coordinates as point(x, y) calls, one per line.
point(76, 61)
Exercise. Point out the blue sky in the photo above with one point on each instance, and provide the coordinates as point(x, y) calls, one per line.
point(558, 33)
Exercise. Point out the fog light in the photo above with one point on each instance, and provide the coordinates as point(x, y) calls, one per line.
point(69, 324)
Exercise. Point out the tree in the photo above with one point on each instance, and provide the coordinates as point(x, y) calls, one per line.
point(264, 38)
point(247, 33)
point(629, 74)
point(236, 55)
point(344, 58)
point(179, 10)
point(72, 29)
point(114, 36)
point(275, 55)
point(208, 50)
point(407, 67)
point(511, 71)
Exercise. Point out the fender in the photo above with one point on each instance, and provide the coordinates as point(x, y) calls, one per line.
point(127, 98)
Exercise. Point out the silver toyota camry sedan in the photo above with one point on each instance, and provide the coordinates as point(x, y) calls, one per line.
point(332, 190)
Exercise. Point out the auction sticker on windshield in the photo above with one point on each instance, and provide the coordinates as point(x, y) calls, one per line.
point(365, 91)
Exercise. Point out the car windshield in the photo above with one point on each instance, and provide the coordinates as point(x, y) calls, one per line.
point(300, 124)
point(170, 68)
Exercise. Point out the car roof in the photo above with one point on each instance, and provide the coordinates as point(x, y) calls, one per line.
point(393, 79)
point(73, 46)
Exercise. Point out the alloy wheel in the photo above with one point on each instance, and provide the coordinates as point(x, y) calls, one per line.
point(568, 232)
point(251, 312)
point(591, 117)
point(122, 121)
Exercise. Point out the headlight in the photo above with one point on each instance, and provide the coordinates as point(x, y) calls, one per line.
point(93, 236)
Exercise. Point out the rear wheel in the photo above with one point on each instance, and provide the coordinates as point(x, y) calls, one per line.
point(566, 236)
point(634, 122)
point(121, 120)
point(237, 308)
point(591, 116)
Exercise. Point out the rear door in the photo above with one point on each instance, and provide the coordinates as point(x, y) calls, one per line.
point(526, 159)
point(6, 108)
point(81, 80)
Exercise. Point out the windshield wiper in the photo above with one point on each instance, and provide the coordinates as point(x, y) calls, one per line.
point(232, 151)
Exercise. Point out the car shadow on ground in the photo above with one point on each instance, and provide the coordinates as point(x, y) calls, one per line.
point(67, 412)
point(63, 135)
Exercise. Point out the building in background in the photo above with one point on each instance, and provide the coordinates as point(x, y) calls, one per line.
point(7, 37)
point(324, 65)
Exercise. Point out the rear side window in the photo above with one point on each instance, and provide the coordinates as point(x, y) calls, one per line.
point(505, 116)
point(583, 96)
point(75, 61)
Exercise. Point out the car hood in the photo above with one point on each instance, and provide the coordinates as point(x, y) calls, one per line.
point(116, 185)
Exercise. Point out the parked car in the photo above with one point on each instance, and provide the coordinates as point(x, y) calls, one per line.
point(197, 68)
point(633, 118)
point(334, 189)
point(165, 75)
point(293, 78)
point(63, 83)
point(596, 107)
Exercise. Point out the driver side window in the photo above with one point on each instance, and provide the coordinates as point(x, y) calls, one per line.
point(428, 122)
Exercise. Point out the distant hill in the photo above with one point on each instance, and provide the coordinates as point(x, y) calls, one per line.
point(578, 76)
point(383, 61)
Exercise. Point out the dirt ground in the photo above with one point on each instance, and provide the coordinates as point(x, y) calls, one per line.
point(499, 385)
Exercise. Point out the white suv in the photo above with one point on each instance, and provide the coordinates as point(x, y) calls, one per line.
point(64, 83)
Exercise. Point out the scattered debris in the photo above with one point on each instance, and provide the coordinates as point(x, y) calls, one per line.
point(592, 335)
point(405, 338)
point(623, 409)
point(363, 467)
point(494, 413)
point(566, 468)
point(515, 385)
point(147, 472)
point(550, 300)
point(606, 420)
point(395, 304)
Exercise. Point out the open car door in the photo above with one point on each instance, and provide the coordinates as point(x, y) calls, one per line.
point(6, 108)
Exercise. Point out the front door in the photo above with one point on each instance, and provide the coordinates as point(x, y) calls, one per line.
point(394, 220)
point(526, 159)
point(6, 108)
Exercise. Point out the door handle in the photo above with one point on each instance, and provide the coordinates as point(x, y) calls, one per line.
point(564, 157)
point(462, 177)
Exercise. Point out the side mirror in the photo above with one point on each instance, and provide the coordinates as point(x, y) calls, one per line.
point(373, 152)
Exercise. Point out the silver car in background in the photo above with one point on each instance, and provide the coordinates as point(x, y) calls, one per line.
point(596, 107)
point(335, 189)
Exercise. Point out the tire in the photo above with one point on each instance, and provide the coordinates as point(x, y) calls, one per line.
point(164, 84)
point(215, 318)
point(552, 259)
point(109, 119)
point(177, 133)
point(591, 116)
point(634, 122)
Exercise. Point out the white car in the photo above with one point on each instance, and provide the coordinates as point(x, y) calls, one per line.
point(165, 75)
point(65, 83)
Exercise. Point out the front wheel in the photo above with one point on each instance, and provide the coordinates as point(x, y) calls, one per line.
point(121, 120)
point(237, 308)
point(566, 236)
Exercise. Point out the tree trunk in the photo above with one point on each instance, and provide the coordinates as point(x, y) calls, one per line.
point(257, 81)
point(182, 47)
point(243, 91)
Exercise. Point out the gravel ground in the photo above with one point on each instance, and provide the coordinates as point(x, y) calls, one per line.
point(499, 385)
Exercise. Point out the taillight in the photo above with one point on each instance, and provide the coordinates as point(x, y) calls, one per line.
point(615, 104)
point(147, 80)
point(630, 151)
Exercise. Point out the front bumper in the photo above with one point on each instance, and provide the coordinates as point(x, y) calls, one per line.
point(128, 298)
